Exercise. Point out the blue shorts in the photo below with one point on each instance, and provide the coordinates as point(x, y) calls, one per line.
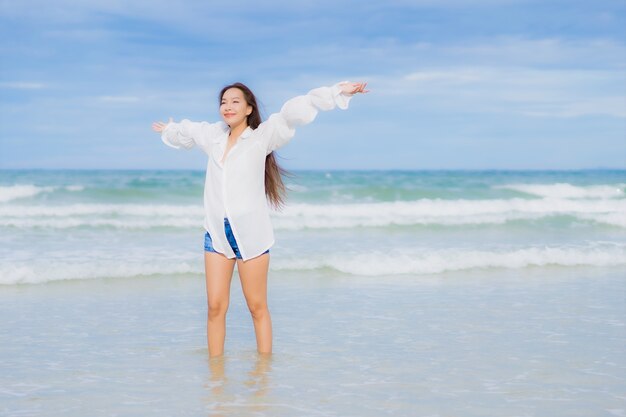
point(208, 243)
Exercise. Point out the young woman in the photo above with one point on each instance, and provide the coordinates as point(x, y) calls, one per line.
point(242, 177)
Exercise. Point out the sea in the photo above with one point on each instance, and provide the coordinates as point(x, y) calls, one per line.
point(392, 293)
point(77, 225)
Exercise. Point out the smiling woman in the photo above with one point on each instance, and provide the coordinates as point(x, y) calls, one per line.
point(241, 178)
point(238, 105)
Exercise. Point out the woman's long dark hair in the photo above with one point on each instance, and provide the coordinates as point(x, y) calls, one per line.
point(275, 190)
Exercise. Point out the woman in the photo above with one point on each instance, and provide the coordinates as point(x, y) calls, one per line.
point(241, 178)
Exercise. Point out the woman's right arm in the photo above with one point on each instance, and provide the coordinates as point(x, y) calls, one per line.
point(186, 134)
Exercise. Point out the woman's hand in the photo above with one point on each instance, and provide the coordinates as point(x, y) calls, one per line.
point(353, 88)
point(160, 126)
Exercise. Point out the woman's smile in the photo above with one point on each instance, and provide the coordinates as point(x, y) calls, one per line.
point(234, 107)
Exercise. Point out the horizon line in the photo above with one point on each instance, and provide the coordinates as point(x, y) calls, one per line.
point(328, 169)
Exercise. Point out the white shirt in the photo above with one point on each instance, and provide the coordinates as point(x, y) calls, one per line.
point(236, 189)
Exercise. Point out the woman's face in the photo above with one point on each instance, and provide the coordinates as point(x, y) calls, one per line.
point(234, 108)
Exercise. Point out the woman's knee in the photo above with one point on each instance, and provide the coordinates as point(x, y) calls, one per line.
point(258, 310)
point(217, 308)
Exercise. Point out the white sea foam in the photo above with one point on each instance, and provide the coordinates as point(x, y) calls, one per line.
point(121, 216)
point(434, 261)
point(14, 192)
point(613, 219)
point(566, 190)
point(40, 272)
point(445, 212)
point(18, 191)
point(297, 188)
point(74, 188)
point(300, 216)
point(140, 210)
point(123, 224)
point(411, 261)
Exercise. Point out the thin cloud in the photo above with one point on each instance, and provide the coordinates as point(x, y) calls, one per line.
point(22, 85)
point(544, 52)
point(119, 99)
point(447, 76)
point(527, 91)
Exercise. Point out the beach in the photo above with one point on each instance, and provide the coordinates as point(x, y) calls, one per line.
point(470, 344)
point(394, 293)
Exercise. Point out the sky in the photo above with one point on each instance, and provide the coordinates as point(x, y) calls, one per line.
point(482, 84)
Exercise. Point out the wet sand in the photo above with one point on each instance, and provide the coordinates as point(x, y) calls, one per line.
point(532, 342)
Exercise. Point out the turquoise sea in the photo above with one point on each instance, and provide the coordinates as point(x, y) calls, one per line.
point(66, 225)
point(399, 293)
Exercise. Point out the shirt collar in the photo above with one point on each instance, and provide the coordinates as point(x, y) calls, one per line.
point(246, 133)
point(224, 135)
point(222, 138)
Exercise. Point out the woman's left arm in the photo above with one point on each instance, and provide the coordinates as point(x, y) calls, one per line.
point(279, 128)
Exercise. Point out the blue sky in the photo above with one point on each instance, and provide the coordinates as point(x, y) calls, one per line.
point(484, 84)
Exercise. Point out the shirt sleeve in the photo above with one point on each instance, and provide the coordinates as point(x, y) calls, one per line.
point(279, 128)
point(187, 134)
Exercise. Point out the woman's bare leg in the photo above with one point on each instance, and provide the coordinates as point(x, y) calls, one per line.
point(219, 272)
point(253, 274)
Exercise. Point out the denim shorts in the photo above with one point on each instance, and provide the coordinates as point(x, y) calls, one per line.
point(208, 243)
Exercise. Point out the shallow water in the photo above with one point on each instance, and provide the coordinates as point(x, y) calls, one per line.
point(535, 342)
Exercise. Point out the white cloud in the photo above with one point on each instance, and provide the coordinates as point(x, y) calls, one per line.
point(119, 99)
point(236, 21)
point(534, 77)
point(21, 85)
point(515, 90)
point(544, 52)
point(447, 76)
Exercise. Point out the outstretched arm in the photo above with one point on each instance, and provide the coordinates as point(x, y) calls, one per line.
point(280, 127)
point(186, 134)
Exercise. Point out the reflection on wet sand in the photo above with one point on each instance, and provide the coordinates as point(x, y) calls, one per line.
point(258, 380)
point(216, 374)
point(225, 394)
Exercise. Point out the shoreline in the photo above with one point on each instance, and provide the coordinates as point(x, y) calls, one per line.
point(472, 275)
point(540, 344)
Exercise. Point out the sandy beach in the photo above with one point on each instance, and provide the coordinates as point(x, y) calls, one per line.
point(542, 342)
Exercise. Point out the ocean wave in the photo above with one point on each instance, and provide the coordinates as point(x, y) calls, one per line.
point(70, 210)
point(18, 191)
point(446, 213)
point(15, 192)
point(117, 216)
point(36, 273)
point(402, 261)
point(300, 216)
point(121, 224)
point(566, 190)
point(74, 187)
point(613, 219)
point(429, 261)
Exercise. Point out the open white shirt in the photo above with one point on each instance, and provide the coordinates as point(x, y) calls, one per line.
point(236, 189)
